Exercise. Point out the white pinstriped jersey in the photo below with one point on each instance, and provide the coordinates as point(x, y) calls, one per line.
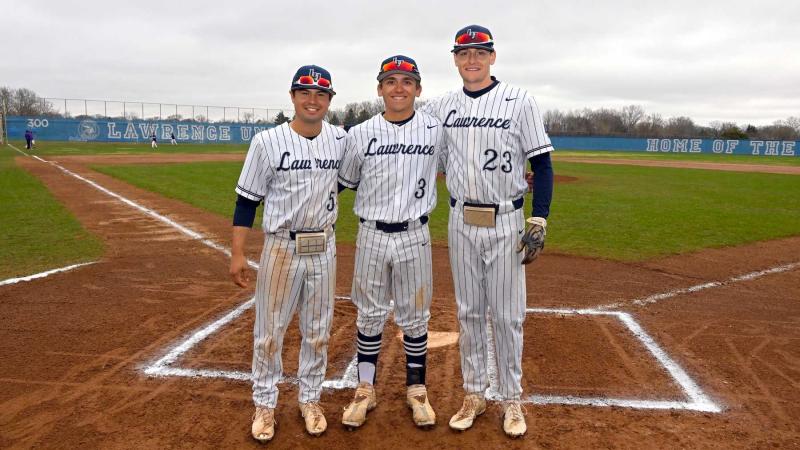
point(394, 167)
point(490, 138)
point(295, 176)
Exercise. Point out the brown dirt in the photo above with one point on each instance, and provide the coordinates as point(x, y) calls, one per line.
point(72, 346)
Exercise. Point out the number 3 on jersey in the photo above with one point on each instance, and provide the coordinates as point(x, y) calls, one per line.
point(492, 155)
point(420, 192)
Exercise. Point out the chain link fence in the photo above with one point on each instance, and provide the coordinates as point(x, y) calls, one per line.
point(124, 110)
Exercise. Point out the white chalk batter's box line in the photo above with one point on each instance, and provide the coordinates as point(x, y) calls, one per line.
point(164, 366)
point(696, 400)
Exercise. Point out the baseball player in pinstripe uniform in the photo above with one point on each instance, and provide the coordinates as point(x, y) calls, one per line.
point(391, 160)
point(492, 129)
point(293, 168)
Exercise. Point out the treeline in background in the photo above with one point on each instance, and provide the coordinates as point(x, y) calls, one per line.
point(629, 121)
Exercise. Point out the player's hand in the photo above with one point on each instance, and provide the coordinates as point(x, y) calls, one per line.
point(532, 240)
point(529, 180)
point(239, 270)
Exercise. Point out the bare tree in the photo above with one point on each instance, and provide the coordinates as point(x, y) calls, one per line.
point(680, 127)
point(25, 102)
point(631, 115)
point(6, 95)
point(651, 125)
point(794, 122)
point(333, 118)
point(607, 122)
point(781, 130)
point(554, 121)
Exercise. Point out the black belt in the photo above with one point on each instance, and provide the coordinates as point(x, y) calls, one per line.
point(293, 234)
point(395, 227)
point(516, 203)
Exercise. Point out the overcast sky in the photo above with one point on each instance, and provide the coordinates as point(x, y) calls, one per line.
point(709, 60)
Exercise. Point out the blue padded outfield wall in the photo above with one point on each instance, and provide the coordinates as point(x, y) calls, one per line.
point(679, 145)
point(108, 130)
point(102, 130)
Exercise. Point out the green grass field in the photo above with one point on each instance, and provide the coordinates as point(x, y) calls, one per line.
point(618, 212)
point(38, 233)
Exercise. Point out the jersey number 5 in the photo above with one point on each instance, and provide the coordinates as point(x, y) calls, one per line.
point(492, 155)
point(331, 202)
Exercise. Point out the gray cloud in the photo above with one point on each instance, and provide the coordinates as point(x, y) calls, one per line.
point(708, 60)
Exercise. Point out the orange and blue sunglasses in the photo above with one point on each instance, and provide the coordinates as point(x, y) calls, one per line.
point(308, 80)
point(401, 65)
point(473, 37)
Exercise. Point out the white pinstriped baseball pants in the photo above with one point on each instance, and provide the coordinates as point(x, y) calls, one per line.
point(393, 266)
point(286, 282)
point(489, 276)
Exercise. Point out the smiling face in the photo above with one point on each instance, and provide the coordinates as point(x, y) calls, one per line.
point(473, 66)
point(310, 105)
point(398, 92)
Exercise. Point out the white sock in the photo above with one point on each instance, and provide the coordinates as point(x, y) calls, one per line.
point(366, 372)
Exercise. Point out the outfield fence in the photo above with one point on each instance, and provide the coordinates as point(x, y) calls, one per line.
point(109, 130)
point(70, 108)
point(133, 130)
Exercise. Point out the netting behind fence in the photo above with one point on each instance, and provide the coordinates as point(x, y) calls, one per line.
point(111, 109)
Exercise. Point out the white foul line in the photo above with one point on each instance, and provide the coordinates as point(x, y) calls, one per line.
point(162, 367)
point(43, 274)
point(183, 229)
point(699, 287)
point(698, 401)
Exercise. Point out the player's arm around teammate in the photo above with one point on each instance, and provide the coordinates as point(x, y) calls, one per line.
point(293, 168)
point(492, 128)
point(392, 159)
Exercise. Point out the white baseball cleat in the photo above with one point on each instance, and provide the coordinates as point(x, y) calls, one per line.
point(514, 419)
point(355, 414)
point(315, 418)
point(474, 405)
point(263, 428)
point(417, 400)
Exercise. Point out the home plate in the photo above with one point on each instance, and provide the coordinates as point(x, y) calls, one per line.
point(438, 338)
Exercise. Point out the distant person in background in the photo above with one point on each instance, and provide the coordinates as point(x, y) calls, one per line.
point(153, 141)
point(28, 139)
point(172, 139)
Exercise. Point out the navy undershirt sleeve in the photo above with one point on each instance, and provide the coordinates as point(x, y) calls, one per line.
point(245, 213)
point(342, 187)
point(542, 184)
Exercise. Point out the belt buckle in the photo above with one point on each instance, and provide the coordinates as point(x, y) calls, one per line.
point(310, 243)
point(480, 216)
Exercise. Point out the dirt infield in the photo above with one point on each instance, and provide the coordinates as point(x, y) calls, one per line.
point(74, 345)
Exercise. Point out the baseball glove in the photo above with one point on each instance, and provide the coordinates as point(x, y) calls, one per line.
point(532, 240)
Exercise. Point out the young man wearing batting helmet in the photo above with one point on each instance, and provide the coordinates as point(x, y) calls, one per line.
point(391, 160)
point(492, 129)
point(293, 168)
